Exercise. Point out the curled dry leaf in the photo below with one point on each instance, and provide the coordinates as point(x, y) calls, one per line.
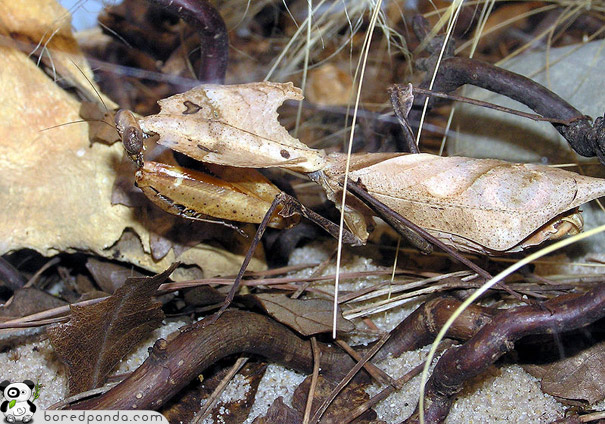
point(307, 317)
point(477, 205)
point(98, 336)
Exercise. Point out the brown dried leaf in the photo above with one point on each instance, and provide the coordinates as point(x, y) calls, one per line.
point(279, 412)
point(108, 275)
point(579, 377)
point(43, 29)
point(29, 300)
point(98, 336)
point(308, 317)
point(328, 85)
point(339, 410)
point(479, 205)
point(101, 127)
point(233, 125)
point(203, 296)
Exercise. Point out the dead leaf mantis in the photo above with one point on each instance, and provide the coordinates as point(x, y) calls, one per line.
point(475, 205)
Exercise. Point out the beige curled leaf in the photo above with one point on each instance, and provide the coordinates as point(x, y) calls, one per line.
point(55, 186)
point(478, 205)
point(233, 125)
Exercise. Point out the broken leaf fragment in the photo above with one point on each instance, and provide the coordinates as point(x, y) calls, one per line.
point(578, 377)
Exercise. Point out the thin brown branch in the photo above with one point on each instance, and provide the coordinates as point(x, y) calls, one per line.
point(489, 105)
point(377, 374)
point(585, 138)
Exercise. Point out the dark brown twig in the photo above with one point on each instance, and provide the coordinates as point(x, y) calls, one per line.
point(314, 378)
point(214, 44)
point(171, 365)
point(377, 374)
point(488, 105)
point(585, 138)
point(498, 337)
point(10, 275)
point(422, 326)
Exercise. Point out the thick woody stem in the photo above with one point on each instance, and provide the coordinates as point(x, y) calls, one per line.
point(172, 365)
point(586, 139)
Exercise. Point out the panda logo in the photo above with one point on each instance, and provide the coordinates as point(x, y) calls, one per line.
point(17, 405)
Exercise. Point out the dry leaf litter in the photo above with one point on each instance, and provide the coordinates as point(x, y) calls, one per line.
point(507, 395)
